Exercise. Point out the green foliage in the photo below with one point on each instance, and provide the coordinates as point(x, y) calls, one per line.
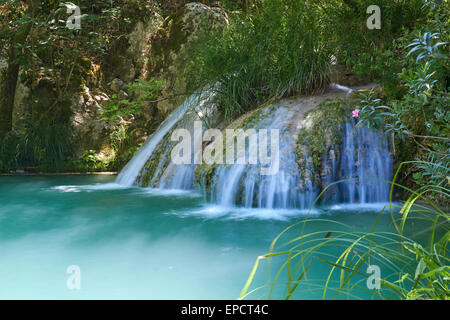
point(371, 110)
point(275, 50)
point(396, 124)
point(55, 62)
point(270, 49)
point(121, 113)
point(123, 142)
point(90, 161)
point(43, 147)
point(426, 49)
point(144, 90)
point(372, 53)
point(426, 91)
point(419, 82)
point(419, 110)
point(433, 175)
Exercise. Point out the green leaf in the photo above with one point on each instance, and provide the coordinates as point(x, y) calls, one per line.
point(420, 269)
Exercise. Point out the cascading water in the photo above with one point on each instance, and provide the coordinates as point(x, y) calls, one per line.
point(131, 171)
point(245, 185)
point(166, 174)
point(364, 167)
point(366, 161)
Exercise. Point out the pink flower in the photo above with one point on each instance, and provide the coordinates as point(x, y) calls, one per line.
point(355, 113)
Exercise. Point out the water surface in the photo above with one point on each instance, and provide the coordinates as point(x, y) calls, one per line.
point(137, 243)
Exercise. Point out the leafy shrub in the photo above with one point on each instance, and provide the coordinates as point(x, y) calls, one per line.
point(124, 144)
point(419, 111)
point(374, 52)
point(144, 90)
point(371, 110)
point(91, 161)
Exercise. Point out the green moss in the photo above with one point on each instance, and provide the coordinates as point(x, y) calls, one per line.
point(151, 165)
point(322, 130)
point(204, 175)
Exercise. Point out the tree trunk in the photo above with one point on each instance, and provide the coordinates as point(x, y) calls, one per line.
point(9, 82)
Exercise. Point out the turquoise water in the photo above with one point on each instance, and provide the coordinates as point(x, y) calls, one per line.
point(135, 243)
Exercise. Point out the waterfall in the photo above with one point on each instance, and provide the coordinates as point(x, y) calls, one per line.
point(372, 166)
point(166, 174)
point(362, 160)
point(180, 176)
point(365, 165)
point(130, 172)
point(244, 185)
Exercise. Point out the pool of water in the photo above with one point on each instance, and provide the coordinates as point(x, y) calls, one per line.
point(135, 243)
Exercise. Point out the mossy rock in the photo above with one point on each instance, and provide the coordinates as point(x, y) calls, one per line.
point(321, 134)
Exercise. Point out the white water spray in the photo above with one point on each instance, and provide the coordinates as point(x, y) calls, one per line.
point(130, 172)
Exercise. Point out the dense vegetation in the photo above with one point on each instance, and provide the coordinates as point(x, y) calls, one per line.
point(54, 62)
point(266, 54)
point(285, 47)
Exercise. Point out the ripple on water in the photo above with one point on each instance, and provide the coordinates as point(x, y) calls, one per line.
point(88, 188)
point(230, 213)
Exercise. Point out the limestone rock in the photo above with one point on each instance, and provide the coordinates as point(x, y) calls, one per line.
point(90, 131)
point(122, 95)
point(129, 57)
point(170, 47)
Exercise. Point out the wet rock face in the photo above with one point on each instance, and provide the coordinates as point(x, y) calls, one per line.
point(169, 47)
point(347, 160)
point(297, 182)
point(159, 170)
point(294, 185)
point(90, 131)
point(317, 145)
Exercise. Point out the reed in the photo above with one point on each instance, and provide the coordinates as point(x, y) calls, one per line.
point(415, 265)
point(273, 51)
